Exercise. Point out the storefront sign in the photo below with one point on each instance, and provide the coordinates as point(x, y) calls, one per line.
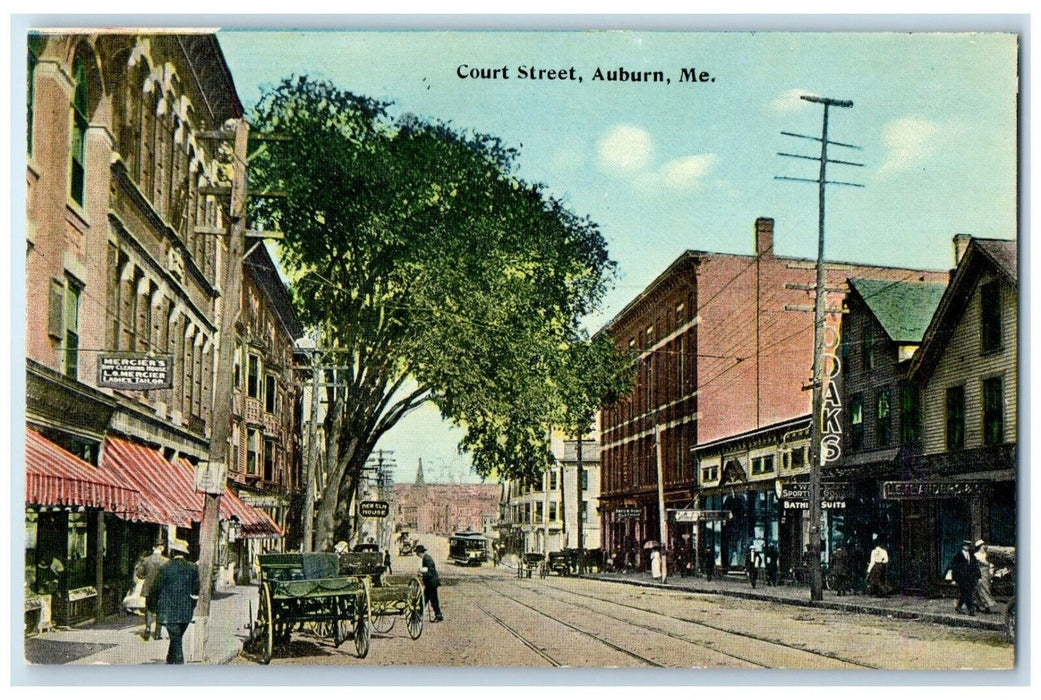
point(687, 515)
point(135, 371)
point(373, 509)
point(210, 477)
point(796, 496)
point(805, 505)
point(903, 490)
point(830, 491)
point(627, 514)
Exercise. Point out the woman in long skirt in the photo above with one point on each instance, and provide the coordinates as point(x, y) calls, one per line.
point(984, 600)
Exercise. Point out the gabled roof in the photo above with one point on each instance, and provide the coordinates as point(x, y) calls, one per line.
point(981, 254)
point(903, 309)
point(1003, 254)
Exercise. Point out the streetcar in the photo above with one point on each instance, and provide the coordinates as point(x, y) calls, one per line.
point(467, 549)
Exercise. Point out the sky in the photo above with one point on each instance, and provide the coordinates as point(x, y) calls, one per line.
point(664, 167)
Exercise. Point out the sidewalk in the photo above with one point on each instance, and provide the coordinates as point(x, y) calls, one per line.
point(118, 640)
point(935, 610)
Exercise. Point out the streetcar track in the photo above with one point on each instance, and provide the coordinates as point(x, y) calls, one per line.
point(658, 630)
point(612, 645)
point(716, 628)
point(523, 640)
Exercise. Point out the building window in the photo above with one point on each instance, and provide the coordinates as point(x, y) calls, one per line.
point(883, 432)
point(583, 513)
point(77, 177)
point(585, 479)
point(798, 457)
point(35, 48)
point(270, 393)
point(538, 511)
point(552, 511)
point(856, 421)
point(252, 450)
point(763, 464)
point(910, 415)
point(990, 316)
point(869, 348)
point(993, 411)
point(253, 377)
point(269, 459)
point(955, 412)
point(71, 335)
point(553, 480)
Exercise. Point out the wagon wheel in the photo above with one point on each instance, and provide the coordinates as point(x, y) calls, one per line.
point(342, 624)
point(265, 627)
point(414, 604)
point(363, 626)
point(382, 620)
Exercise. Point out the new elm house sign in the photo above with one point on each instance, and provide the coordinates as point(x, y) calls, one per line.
point(135, 371)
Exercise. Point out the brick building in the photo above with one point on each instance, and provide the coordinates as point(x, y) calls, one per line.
point(443, 508)
point(719, 355)
point(122, 270)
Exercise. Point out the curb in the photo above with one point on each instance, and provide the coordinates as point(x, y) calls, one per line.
point(935, 618)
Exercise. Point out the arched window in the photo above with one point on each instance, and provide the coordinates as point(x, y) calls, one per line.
point(77, 179)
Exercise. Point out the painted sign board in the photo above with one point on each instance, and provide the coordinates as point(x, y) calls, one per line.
point(373, 509)
point(688, 515)
point(135, 371)
point(904, 490)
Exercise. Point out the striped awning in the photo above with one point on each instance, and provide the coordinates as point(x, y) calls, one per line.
point(169, 489)
point(256, 523)
point(55, 477)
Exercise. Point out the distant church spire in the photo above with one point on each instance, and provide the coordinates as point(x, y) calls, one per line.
point(419, 474)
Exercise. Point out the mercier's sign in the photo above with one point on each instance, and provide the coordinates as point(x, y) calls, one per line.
point(135, 371)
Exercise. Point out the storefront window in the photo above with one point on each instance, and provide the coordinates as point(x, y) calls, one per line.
point(78, 552)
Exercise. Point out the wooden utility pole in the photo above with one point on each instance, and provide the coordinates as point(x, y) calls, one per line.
point(663, 526)
point(311, 465)
point(220, 431)
point(816, 453)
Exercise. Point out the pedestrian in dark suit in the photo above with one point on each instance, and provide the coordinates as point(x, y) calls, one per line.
point(176, 589)
point(771, 564)
point(965, 573)
point(147, 570)
point(431, 581)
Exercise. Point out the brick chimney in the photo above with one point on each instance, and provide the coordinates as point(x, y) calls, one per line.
point(961, 244)
point(764, 237)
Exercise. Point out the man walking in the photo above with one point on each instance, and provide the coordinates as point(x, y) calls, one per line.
point(965, 572)
point(147, 570)
point(176, 589)
point(430, 581)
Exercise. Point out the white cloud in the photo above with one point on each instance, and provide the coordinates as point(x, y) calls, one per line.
point(908, 142)
point(687, 173)
point(624, 150)
point(789, 100)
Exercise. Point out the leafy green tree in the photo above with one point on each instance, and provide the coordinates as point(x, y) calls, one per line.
point(439, 274)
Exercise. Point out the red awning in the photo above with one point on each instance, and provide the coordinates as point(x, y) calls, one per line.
point(55, 477)
point(169, 488)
